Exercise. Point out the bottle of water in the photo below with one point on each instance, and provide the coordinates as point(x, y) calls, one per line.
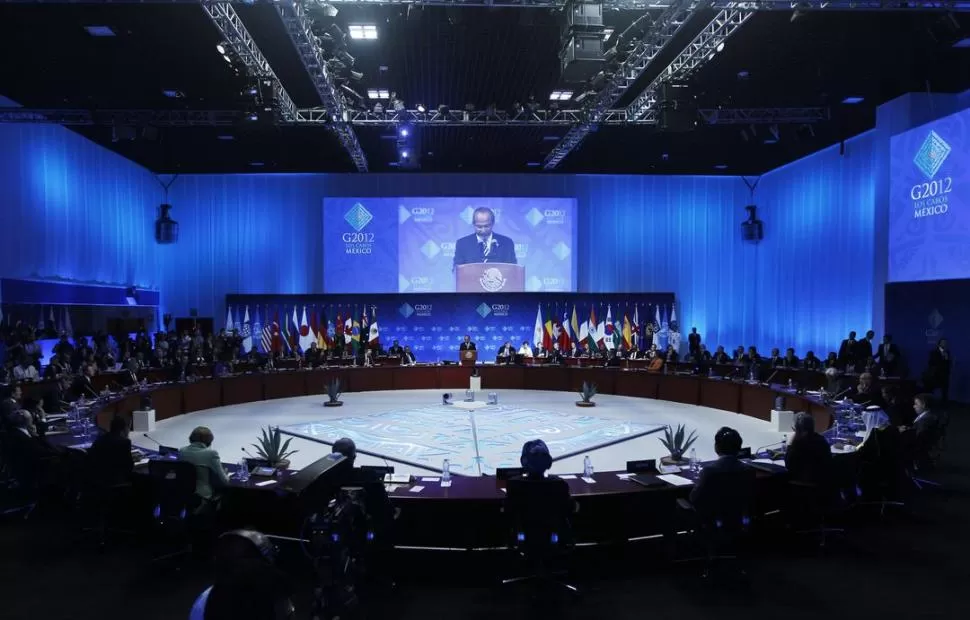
point(587, 467)
point(693, 460)
point(446, 471)
point(243, 475)
point(751, 375)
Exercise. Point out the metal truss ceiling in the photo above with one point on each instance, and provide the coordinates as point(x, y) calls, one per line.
point(235, 33)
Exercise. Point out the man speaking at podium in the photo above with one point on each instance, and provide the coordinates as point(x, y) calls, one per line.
point(484, 246)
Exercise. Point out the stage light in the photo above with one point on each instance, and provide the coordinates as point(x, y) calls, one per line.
point(227, 59)
point(360, 32)
point(720, 47)
point(853, 100)
point(404, 132)
point(421, 108)
point(405, 154)
point(221, 48)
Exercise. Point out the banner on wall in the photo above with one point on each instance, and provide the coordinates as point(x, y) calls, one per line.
point(919, 314)
point(433, 325)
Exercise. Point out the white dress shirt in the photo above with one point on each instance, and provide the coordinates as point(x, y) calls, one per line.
point(28, 373)
point(525, 350)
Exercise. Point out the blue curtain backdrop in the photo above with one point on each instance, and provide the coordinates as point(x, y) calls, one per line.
point(75, 211)
point(254, 234)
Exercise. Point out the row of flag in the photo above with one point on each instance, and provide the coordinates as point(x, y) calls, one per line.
point(56, 317)
point(295, 331)
point(608, 334)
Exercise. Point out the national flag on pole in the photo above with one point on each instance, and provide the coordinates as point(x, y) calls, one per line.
point(247, 333)
point(565, 337)
point(294, 331)
point(229, 318)
point(332, 342)
point(276, 338)
point(314, 326)
point(574, 327)
point(539, 329)
point(338, 342)
point(349, 332)
point(673, 334)
point(627, 331)
point(635, 328)
point(320, 327)
point(548, 333)
point(364, 328)
point(656, 329)
point(306, 336)
point(286, 332)
point(591, 337)
point(236, 321)
point(355, 336)
point(664, 330)
point(374, 337)
point(259, 337)
point(608, 329)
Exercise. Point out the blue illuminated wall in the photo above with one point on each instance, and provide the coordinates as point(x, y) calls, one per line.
point(75, 211)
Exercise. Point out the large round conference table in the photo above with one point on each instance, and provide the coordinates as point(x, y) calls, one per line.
point(467, 514)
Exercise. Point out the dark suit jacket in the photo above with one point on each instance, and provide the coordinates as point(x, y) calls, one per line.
point(722, 358)
point(939, 367)
point(397, 351)
point(812, 363)
point(884, 350)
point(790, 363)
point(110, 458)
point(693, 340)
point(809, 459)
point(466, 346)
point(847, 351)
point(506, 352)
point(724, 489)
point(468, 250)
point(408, 357)
point(863, 349)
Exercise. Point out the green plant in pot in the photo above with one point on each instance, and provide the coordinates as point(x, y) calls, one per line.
point(333, 393)
point(677, 442)
point(273, 449)
point(587, 393)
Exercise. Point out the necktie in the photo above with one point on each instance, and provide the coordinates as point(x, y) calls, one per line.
point(486, 247)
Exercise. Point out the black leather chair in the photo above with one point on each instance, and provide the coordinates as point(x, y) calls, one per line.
point(174, 503)
point(539, 516)
point(811, 508)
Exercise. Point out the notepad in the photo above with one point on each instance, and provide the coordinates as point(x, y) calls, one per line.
point(668, 469)
point(416, 489)
point(624, 476)
point(430, 479)
point(768, 462)
point(265, 483)
point(677, 481)
point(568, 476)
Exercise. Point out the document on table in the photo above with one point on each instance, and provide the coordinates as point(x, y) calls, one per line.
point(769, 462)
point(568, 476)
point(416, 489)
point(588, 480)
point(445, 484)
point(669, 469)
point(677, 481)
point(265, 483)
point(624, 476)
point(430, 479)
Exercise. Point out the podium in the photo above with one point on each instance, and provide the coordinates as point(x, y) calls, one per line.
point(490, 278)
point(468, 358)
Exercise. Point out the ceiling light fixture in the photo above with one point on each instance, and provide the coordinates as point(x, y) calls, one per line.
point(853, 100)
point(378, 93)
point(561, 95)
point(100, 31)
point(362, 32)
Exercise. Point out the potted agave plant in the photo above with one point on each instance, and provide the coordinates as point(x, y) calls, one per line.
point(333, 393)
point(273, 449)
point(587, 393)
point(677, 443)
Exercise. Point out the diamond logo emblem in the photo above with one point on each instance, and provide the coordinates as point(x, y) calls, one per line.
point(483, 309)
point(561, 251)
point(466, 215)
point(935, 318)
point(403, 284)
point(932, 154)
point(534, 217)
point(430, 249)
point(533, 284)
point(406, 310)
point(358, 217)
point(403, 214)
